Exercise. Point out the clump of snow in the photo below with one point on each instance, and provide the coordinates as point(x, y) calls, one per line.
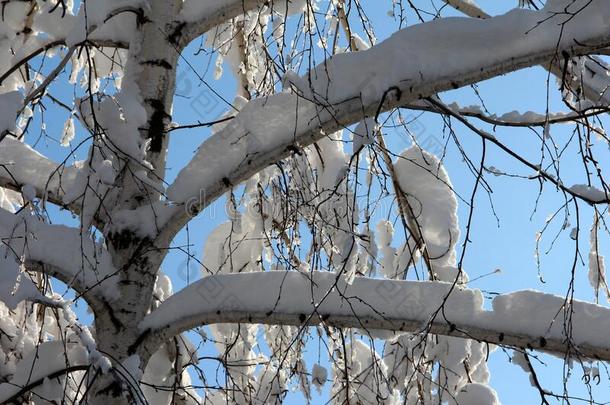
point(48, 358)
point(364, 134)
point(477, 394)
point(81, 258)
point(29, 192)
point(597, 262)
point(131, 367)
point(385, 234)
point(429, 192)
point(26, 166)
point(319, 375)
point(15, 286)
point(67, 134)
point(10, 103)
point(589, 192)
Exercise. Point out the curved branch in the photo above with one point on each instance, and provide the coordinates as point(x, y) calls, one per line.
point(59, 373)
point(61, 252)
point(293, 298)
point(528, 119)
point(188, 27)
point(594, 82)
point(21, 165)
point(48, 360)
point(364, 83)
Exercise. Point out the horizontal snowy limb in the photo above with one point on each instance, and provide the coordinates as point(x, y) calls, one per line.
point(21, 165)
point(525, 319)
point(416, 62)
point(61, 252)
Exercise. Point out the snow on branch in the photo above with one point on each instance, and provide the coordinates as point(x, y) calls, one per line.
point(198, 17)
point(52, 360)
point(61, 252)
point(587, 77)
point(417, 62)
point(20, 166)
point(524, 319)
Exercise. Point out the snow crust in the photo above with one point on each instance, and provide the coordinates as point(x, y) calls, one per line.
point(477, 394)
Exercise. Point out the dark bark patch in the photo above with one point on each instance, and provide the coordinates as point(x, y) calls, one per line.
point(156, 125)
point(176, 34)
point(132, 348)
point(542, 341)
point(123, 239)
point(158, 62)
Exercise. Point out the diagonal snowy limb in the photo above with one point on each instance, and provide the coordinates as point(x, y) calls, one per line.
point(292, 298)
point(432, 57)
point(594, 79)
point(21, 165)
point(61, 252)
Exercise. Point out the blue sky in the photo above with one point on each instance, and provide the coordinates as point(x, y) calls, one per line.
point(506, 242)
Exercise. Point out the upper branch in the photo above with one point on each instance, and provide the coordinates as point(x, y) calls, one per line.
point(593, 81)
point(416, 62)
point(197, 18)
point(293, 298)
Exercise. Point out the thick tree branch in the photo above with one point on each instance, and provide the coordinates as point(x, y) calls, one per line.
point(350, 86)
point(292, 298)
point(21, 165)
point(190, 26)
point(61, 252)
point(593, 80)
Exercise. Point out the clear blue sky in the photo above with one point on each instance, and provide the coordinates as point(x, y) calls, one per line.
point(507, 243)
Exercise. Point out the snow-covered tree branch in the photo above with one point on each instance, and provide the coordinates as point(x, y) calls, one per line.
point(342, 140)
point(22, 166)
point(326, 99)
point(287, 298)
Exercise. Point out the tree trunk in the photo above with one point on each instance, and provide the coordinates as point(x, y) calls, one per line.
point(151, 66)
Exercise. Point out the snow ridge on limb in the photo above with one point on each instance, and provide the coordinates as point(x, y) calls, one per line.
point(61, 252)
point(591, 82)
point(20, 165)
point(291, 298)
point(198, 17)
point(350, 85)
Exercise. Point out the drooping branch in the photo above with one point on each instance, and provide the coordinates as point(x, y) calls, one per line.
point(20, 165)
point(293, 298)
point(590, 195)
point(513, 119)
point(60, 252)
point(433, 57)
